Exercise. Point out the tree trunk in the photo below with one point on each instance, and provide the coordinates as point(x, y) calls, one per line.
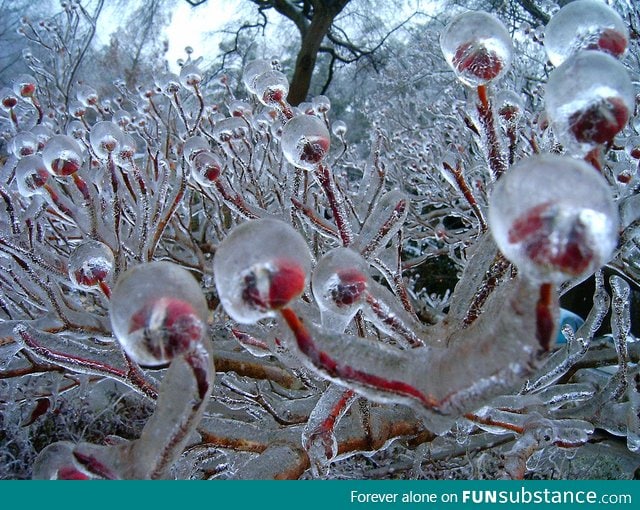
point(320, 24)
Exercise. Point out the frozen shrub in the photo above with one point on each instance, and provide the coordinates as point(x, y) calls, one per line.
point(169, 226)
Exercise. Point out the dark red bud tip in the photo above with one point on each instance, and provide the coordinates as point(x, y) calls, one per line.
point(71, 473)
point(171, 326)
point(571, 254)
point(273, 285)
point(314, 151)
point(27, 89)
point(477, 61)
point(600, 122)
point(287, 283)
point(64, 167)
point(350, 287)
point(611, 42)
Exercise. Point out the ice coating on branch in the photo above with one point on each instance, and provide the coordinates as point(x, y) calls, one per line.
point(158, 312)
point(62, 156)
point(478, 47)
point(589, 99)
point(554, 232)
point(259, 268)
point(106, 138)
point(585, 25)
point(339, 283)
point(31, 175)
point(90, 265)
point(305, 141)
point(252, 70)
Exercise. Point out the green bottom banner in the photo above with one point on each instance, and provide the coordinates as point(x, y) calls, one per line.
point(326, 495)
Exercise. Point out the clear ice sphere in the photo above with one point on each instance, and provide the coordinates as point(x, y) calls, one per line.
point(478, 48)
point(158, 311)
point(305, 141)
point(554, 217)
point(259, 268)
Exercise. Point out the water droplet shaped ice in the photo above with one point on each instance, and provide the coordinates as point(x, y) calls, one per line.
point(305, 141)
point(585, 25)
point(589, 99)
point(259, 268)
point(105, 138)
point(90, 264)
point(158, 312)
point(554, 233)
point(252, 70)
point(478, 48)
point(31, 175)
point(62, 156)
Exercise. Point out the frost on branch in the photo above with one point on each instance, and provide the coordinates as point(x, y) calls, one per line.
point(391, 294)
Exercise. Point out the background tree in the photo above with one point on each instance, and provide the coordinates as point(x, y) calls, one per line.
point(325, 27)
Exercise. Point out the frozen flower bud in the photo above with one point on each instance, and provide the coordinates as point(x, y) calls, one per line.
point(62, 156)
point(271, 87)
point(105, 138)
point(478, 48)
point(90, 265)
point(585, 25)
point(24, 85)
point(23, 144)
point(252, 70)
point(8, 99)
point(554, 232)
point(340, 281)
point(259, 268)
point(86, 95)
point(190, 76)
point(305, 141)
point(206, 167)
point(158, 312)
point(31, 175)
point(589, 99)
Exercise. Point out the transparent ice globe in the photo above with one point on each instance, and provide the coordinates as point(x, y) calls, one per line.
point(105, 138)
point(585, 25)
point(206, 167)
point(190, 75)
point(62, 155)
point(43, 134)
point(23, 144)
point(126, 150)
point(589, 99)
point(25, 85)
point(554, 217)
point(193, 145)
point(340, 281)
point(271, 87)
point(478, 48)
point(90, 264)
point(158, 312)
point(86, 95)
point(259, 268)
point(252, 70)
point(31, 175)
point(305, 141)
